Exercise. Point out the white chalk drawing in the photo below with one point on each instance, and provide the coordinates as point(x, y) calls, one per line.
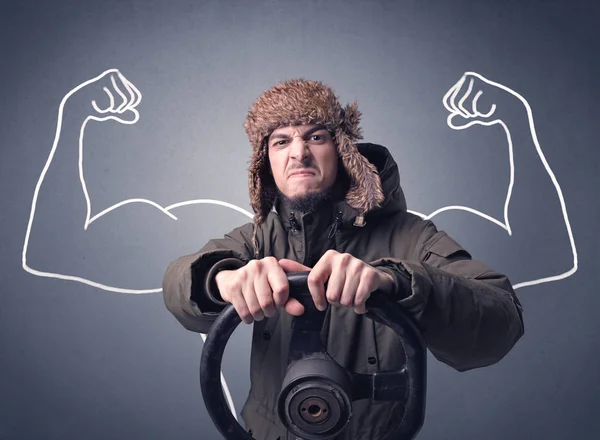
point(131, 97)
point(114, 113)
point(477, 118)
point(128, 104)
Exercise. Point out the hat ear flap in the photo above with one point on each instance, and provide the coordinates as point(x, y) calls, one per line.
point(351, 120)
point(261, 184)
point(365, 191)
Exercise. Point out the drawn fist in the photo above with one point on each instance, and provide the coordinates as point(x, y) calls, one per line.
point(108, 96)
point(463, 101)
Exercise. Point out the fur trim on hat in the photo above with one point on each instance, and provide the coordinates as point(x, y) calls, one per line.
point(297, 102)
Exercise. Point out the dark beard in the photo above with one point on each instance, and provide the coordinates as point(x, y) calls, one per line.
point(307, 203)
point(311, 202)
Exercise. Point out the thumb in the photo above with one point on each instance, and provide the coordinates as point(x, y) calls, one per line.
point(129, 116)
point(293, 266)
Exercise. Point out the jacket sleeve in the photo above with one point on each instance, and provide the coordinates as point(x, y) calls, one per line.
point(469, 314)
point(188, 285)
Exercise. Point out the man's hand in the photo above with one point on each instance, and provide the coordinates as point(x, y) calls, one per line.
point(350, 281)
point(256, 289)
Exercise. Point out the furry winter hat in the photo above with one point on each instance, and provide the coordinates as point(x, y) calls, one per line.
point(297, 102)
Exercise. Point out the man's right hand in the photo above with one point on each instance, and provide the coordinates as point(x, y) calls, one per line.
point(258, 288)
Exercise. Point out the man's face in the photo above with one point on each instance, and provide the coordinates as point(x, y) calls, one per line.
point(303, 159)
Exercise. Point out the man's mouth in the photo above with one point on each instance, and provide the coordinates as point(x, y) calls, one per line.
point(301, 173)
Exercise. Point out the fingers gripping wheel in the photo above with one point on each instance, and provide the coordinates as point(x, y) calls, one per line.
point(315, 402)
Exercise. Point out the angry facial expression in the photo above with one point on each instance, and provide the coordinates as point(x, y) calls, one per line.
point(303, 159)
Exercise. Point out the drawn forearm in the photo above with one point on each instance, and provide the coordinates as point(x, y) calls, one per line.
point(535, 196)
point(60, 178)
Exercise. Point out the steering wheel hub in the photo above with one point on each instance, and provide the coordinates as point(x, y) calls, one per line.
point(314, 408)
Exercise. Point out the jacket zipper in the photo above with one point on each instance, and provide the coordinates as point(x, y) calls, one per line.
point(336, 223)
point(293, 223)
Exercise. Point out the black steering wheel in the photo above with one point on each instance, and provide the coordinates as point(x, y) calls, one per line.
point(315, 402)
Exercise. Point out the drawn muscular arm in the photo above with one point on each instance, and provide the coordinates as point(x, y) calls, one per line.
point(535, 213)
point(62, 239)
point(123, 248)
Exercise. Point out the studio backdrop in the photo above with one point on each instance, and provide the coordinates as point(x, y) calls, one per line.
point(122, 148)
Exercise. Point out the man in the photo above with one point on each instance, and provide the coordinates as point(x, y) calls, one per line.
point(327, 204)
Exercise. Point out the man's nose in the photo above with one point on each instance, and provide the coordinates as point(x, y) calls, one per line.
point(299, 148)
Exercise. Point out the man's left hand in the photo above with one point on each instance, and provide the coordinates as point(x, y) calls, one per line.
point(350, 281)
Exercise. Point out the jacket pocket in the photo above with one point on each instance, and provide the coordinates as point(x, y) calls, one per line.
point(441, 249)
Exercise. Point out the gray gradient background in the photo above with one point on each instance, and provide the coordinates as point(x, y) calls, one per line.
point(78, 362)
